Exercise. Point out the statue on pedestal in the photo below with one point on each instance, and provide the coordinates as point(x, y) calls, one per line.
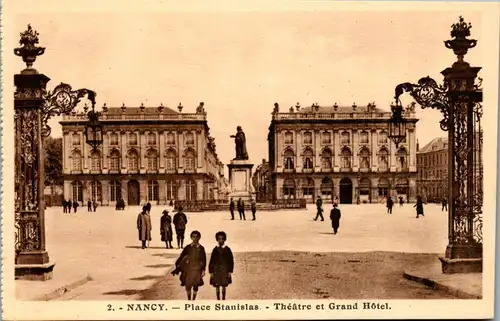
point(240, 142)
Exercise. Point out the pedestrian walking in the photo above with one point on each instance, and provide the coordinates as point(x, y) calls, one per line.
point(68, 206)
point(420, 206)
point(231, 208)
point(64, 205)
point(335, 217)
point(241, 209)
point(221, 265)
point(319, 209)
point(390, 205)
point(94, 205)
point(191, 265)
point(444, 204)
point(144, 226)
point(89, 206)
point(166, 229)
point(180, 222)
point(401, 201)
point(253, 207)
point(75, 206)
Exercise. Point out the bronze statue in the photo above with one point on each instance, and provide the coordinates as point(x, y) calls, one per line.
point(240, 142)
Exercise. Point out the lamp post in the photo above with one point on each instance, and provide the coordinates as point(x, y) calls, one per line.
point(34, 105)
point(459, 100)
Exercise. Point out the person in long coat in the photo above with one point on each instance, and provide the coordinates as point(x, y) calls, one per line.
point(389, 205)
point(231, 208)
point(420, 206)
point(144, 227)
point(191, 264)
point(253, 207)
point(221, 265)
point(75, 206)
point(241, 209)
point(180, 222)
point(335, 217)
point(319, 209)
point(166, 229)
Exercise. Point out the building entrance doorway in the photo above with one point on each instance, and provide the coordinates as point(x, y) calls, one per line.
point(133, 193)
point(345, 191)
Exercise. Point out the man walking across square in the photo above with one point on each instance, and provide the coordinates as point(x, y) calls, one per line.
point(241, 209)
point(335, 217)
point(319, 209)
point(180, 222)
point(231, 208)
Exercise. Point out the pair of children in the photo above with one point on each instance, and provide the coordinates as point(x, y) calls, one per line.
point(191, 265)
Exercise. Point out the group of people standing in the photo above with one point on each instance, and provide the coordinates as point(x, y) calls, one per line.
point(241, 208)
point(144, 226)
point(68, 204)
point(91, 205)
point(419, 205)
point(191, 264)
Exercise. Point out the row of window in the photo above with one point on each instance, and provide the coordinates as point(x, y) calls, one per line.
point(345, 138)
point(345, 162)
point(132, 139)
point(133, 161)
point(115, 190)
point(434, 159)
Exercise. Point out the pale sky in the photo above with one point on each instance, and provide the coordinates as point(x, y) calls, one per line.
point(241, 63)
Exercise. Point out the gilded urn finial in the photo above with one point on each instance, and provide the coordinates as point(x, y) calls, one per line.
point(29, 49)
point(460, 44)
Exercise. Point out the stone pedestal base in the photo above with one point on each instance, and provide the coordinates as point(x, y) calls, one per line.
point(461, 265)
point(240, 178)
point(34, 272)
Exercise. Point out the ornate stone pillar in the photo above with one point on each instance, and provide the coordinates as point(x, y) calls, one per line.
point(200, 149)
point(336, 150)
point(299, 163)
point(180, 154)
point(105, 192)
point(279, 150)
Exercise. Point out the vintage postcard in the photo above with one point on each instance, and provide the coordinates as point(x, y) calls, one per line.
point(248, 160)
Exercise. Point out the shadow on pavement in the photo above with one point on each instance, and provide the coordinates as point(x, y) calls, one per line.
point(127, 292)
point(149, 247)
point(159, 266)
point(148, 277)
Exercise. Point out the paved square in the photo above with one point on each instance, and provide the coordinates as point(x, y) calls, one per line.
point(104, 244)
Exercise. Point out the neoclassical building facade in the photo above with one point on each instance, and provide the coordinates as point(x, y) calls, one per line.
point(340, 152)
point(153, 154)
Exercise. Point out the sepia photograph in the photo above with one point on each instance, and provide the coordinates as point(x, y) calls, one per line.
point(245, 161)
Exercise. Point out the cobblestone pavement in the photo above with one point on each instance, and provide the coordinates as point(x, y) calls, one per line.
point(104, 244)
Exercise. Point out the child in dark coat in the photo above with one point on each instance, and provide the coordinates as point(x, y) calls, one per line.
point(221, 265)
point(191, 264)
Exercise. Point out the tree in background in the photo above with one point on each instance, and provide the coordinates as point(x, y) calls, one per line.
point(53, 162)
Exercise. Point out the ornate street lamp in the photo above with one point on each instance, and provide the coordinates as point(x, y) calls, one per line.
point(34, 105)
point(93, 129)
point(459, 100)
point(397, 124)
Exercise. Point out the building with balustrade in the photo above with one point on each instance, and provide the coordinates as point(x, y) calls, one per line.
point(153, 154)
point(340, 152)
point(261, 181)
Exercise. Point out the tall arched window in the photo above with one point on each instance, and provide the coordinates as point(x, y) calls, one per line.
point(288, 160)
point(171, 187)
point(190, 190)
point(115, 190)
point(189, 160)
point(363, 137)
point(382, 137)
point(132, 139)
point(170, 139)
point(113, 139)
point(307, 138)
point(326, 159)
point(345, 138)
point(151, 139)
point(289, 188)
point(171, 159)
point(96, 191)
point(152, 156)
point(75, 139)
point(383, 160)
point(77, 191)
point(364, 158)
point(114, 161)
point(76, 161)
point(402, 155)
point(345, 158)
point(95, 161)
point(152, 190)
point(308, 159)
point(288, 138)
point(133, 161)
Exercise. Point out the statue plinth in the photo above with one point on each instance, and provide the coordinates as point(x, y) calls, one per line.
point(240, 178)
